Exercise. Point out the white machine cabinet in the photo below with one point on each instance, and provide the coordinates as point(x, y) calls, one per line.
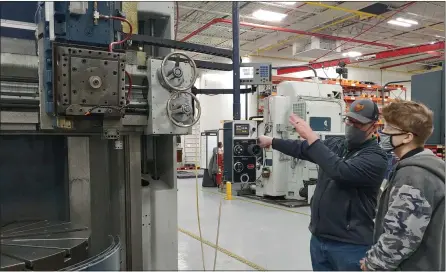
point(283, 175)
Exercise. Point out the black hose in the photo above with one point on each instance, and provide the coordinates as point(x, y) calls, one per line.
point(312, 69)
point(388, 83)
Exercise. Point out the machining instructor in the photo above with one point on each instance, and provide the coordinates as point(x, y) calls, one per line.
point(351, 171)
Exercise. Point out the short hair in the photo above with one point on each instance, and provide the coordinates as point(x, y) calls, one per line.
point(220, 144)
point(412, 117)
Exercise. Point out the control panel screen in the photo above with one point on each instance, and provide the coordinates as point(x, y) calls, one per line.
point(246, 72)
point(320, 123)
point(241, 129)
point(255, 74)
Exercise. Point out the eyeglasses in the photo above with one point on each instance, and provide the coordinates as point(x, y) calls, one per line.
point(388, 127)
point(353, 122)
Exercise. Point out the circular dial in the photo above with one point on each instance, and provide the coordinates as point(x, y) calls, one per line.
point(238, 167)
point(244, 178)
point(238, 150)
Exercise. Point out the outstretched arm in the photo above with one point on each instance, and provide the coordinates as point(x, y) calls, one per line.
point(294, 148)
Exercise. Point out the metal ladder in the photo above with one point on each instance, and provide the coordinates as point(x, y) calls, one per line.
point(191, 146)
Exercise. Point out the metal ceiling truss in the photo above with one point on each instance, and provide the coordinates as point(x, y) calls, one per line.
point(348, 19)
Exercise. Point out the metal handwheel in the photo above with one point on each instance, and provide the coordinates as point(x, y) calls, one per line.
point(180, 112)
point(173, 78)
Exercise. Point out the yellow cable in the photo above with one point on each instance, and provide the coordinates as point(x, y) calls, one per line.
point(198, 214)
point(198, 208)
point(218, 234)
point(223, 250)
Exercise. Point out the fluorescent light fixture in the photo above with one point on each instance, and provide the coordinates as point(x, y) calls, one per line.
point(270, 16)
point(352, 54)
point(412, 22)
point(398, 23)
point(287, 3)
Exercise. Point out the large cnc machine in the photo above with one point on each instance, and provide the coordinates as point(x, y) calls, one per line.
point(88, 137)
point(320, 106)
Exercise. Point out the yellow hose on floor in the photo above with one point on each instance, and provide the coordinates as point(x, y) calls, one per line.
point(198, 216)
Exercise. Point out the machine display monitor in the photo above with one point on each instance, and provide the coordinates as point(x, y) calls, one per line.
point(241, 129)
point(320, 123)
point(246, 72)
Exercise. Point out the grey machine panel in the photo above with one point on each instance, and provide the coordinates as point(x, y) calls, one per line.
point(158, 121)
point(87, 78)
point(428, 89)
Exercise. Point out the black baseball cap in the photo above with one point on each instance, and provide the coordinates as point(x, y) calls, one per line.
point(364, 111)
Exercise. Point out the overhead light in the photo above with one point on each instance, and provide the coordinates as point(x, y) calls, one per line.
point(270, 16)
point(412, 22)
point(398, 23)
point(352, 54)
point(287, 3)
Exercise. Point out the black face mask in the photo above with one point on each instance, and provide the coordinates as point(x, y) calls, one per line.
point(354, 136)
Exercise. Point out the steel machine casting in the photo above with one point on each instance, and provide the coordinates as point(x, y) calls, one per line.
point(88, 137)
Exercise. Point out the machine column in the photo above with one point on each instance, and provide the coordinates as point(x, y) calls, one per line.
point(133, 201)
point(236, 59)
point(79, 180)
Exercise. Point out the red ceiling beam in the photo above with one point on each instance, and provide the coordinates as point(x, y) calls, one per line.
point(282, 29)
point(368, 57)
point(409, 62)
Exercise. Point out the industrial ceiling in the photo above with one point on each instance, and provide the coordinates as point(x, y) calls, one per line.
point(356, 27)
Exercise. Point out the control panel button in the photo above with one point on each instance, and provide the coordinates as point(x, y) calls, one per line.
point(238, 167)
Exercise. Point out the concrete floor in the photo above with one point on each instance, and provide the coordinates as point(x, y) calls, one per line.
point(252, 234)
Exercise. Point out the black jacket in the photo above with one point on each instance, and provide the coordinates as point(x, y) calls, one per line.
point(344, 202)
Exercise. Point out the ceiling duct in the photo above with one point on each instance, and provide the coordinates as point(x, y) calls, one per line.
point(316, 48)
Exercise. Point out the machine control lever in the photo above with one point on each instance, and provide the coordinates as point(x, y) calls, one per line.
point(238, 167)
point(238, 150)
point(254, 150)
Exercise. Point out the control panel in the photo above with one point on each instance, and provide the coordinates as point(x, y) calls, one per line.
point(245, 153)
point(255, 74)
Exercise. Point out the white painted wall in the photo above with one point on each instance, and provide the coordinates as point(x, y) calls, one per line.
point(217, 108)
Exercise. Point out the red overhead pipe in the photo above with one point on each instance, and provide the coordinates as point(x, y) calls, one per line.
point(362, 32)
point(409, 62)
point(281, 29)
point(369, 57)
